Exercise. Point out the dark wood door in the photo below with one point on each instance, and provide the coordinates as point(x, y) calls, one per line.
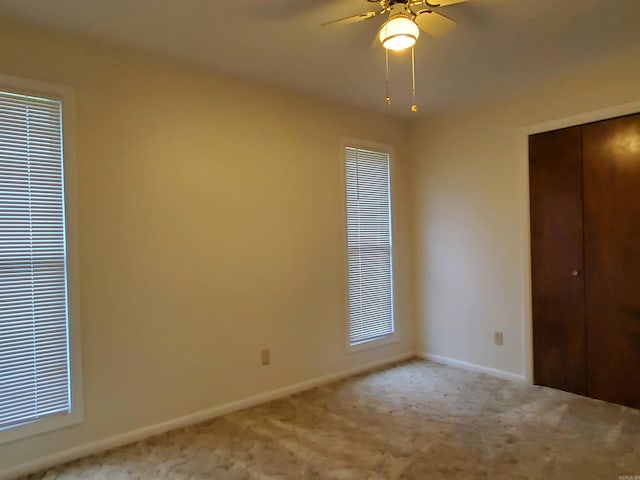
point(611, 156)
point(555, 173)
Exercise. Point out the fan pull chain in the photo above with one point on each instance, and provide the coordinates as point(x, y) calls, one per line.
point(386, 58)
point(414, 107)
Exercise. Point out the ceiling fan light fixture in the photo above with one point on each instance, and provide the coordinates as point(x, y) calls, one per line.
point(399, 33)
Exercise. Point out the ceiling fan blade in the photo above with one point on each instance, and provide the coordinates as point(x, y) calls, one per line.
point(446, 3)
point(436, 3)
point(353, 19)
point(433, 23)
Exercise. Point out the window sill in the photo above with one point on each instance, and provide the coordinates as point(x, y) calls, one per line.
point(36, 427)
point(376, 343)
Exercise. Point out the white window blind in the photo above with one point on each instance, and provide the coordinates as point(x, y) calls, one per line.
point(369, 245)
point(34, 340)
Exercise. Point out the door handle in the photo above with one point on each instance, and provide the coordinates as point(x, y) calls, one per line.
point(575, 273)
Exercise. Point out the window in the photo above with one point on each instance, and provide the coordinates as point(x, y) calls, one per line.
point(369, 245)
point(36, 392)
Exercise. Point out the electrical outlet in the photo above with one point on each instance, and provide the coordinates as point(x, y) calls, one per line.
point(497, 338)
point(265, 357)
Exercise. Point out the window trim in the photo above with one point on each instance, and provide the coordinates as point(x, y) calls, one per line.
point(394, 337)
point(76, 416)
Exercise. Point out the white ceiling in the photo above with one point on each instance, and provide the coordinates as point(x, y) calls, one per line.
point(498, 45)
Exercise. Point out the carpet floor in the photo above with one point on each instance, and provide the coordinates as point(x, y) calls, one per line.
point(416, 420)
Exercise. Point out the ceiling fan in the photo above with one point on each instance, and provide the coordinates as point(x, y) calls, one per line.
point(406, 19)
point(402, 28)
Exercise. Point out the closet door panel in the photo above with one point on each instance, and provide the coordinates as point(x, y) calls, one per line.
point(555, 174)
point(611, 156)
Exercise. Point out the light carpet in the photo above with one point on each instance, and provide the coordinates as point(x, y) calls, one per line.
point(416, 420)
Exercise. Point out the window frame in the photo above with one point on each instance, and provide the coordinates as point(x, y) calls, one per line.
point(393, 337)
point(76, 415)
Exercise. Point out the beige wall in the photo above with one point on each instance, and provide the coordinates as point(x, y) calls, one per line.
point(211, 225)
point(471, 211)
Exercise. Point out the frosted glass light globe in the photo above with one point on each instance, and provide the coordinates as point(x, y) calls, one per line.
point(399, 33)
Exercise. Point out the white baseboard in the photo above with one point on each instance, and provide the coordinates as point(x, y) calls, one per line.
point(494, 372)
point(197, 417)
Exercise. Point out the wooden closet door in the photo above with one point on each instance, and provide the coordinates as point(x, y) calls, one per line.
point(611, 156)
point(555, 173)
